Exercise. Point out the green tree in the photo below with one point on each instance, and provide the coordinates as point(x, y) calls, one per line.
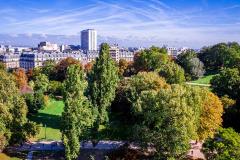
point(227, 83)
point(191, 64)
point(48, 69)
point(225, 145)
point(220, 55)
point(13, 111)
point(150, 59)
point(168, 120)
point(172, 72)
point(77, 117)
point(103, 81)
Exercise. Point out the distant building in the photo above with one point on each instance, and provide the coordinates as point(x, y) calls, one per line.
point(11, 61)
point(32, 60)
point(47, 46)
point(172, 51)
point(89, 40)
point(114, 53)
point(126, 55)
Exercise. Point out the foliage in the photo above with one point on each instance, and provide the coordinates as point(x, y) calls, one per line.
point(78, 114)
point(150, 59)
point(145, 81)
point(125, 68)
point(41, 83)
point(211, 115)
point(61, 68)
point(227, 83)
point(2, 66)
point(103, 81)
point(227, 102)
point(172, 72)
point(220, 55)
point(192, 66)
point(21, 77)
point(88, 67)
point(48, 69)
point(225, 145)
point(55, 88)
point(13, 111)
point(168, 120)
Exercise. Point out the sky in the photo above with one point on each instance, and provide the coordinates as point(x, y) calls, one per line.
point(176, 22)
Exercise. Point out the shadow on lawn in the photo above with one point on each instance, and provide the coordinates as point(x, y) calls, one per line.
point(52, 121)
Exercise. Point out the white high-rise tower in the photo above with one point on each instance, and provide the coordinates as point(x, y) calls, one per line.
point(89, 39)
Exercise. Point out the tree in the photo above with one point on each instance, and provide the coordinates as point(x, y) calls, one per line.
point(168, 120)
point(122, 66)
point(55, 88)
point(172, 72)
point(3, 66)
point(211, 115)
point(103, 81)
point(48, 69)
point(21, 77)
point(61, 68)
point(13, 111)
point(150, 59)
point(219, 56)
point(77, 117)
point(227, 83)
point(41, 84)
point(225, 145)
point(88, 67)
point(144, 81)
point(191, 64)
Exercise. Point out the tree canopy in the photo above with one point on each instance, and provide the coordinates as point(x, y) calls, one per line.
point(102, 83)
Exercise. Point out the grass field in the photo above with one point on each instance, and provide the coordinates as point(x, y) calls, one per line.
point(49, 116)
point(204, 80)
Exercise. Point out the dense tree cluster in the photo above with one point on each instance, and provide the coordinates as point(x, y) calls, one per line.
point(220, 55)
point(14, 126)
point(225, 145)
point(191, 64)
point(146, 99)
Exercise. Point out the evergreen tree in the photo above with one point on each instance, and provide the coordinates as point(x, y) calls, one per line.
point(103, 80)
point(77, 116)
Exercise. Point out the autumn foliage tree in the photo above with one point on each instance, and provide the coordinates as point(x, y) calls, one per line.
point(21, 77)
point(61, 68)
point(211, 115)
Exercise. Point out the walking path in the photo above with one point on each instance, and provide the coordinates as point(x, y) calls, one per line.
point(198, 84)
point(194, 152)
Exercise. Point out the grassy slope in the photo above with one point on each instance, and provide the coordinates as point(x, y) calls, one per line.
point(49, 116)
point(204, 80)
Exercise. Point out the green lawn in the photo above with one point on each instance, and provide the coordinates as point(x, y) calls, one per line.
point(204, 80)
point(49, 116)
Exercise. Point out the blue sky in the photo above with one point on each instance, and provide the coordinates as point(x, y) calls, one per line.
point(186, 22)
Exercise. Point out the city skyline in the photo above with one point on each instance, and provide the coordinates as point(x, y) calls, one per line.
point(179, 23)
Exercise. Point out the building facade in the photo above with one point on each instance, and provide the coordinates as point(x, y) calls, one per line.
point(89, 40)
point(47, 46)
point(11, 61)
